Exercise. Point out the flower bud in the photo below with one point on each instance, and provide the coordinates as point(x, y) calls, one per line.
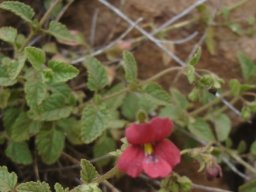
point(213, 170)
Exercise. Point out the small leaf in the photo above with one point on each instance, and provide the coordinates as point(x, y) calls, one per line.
point(59, 31)
point(19, 153)
point(33, 187)
point(210, 41)
point(247, 66)
point(8, 180)
point(202, 130)
point(8, 34)
point(20, 9)
point(253, 148)
point(35, 56)
point(88, 172)
point(102, 147)
point(130, 67)
point(97, 75)
point(242, 146)
point(196, 57)
point(157, 92)
point(93, 122)
point(222, 126)
point(190, 73)
point(50, 145)
point(62, 72)
point(249, 186)
point(59, 188)
point(235, 87)
point(179, 99)
point(4, 97)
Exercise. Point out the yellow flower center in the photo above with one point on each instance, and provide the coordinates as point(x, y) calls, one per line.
point(148, 149)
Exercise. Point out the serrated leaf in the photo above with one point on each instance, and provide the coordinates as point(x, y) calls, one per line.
point(137, 101)
point(9, 117)
point(102, 147)
point(4, 97)
point(93, 122)
point(59, 188)
point(88, 172)
point(8, 180)
point(61, 72)
point(157, 92)
point(35, 56)
point(190, 73)
point(179, 99)
point(36, 92)
point(116, 101)
point(196, 57)
point(222, 126)
point(50, 144)
point(59, 31)
point(130, 67)
point(235, 87)
point(201, 129)
point(92, 187)
point(8, 34)
point(247, 66)
point(97, 75)
point(19, 153)
point(249, 186)
point(20, 9)
point(33, 187)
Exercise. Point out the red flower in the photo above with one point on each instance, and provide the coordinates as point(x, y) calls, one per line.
point(149, 151)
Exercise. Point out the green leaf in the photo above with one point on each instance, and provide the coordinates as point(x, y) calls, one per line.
point(61, 72)
point(8, 34)
point(33, 187)
point(250, 186)
point(201, 129)
point(253, 148)
point(210, 41)
point(92, 187)
point(190, 73)
point(9, 117)
point(196, 57)
point(116, 101)
point(130, 67)
point(222, 126)
point(88, 172)
point(20, 9)
point(4, 97)
point(35, 56)
point(247, 66)
point(8, 180)
point(19, 153)
point(50, 144)
point(102, 147)
point(59, 31)
point(59, 188)
point(242, 146)
point(157, 93)
point(93, 122)
point(235, 87)
point(36, 92)
point(179, 99)
point(97, 75)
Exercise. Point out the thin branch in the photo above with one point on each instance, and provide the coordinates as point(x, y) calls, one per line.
point(180, 15)
point(64, 9)
point(94, 26)
point(181, 41)
point(206, 188)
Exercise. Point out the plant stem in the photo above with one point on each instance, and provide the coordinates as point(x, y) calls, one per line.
point(48, 12)
point(106, 176)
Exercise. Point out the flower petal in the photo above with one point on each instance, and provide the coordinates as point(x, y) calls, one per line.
point(156, 167)
point(153, 131)
point(168, 151)
point(130, 161)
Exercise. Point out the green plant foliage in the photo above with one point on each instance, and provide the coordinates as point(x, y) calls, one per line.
point(59, 188)
point(33, 187)
point(196, 57)
point(253, 148)
point(222, 126)
point(61, 72)
point(93, 122)
point(250, 186)
point(8, 180)
point(201, 129)
point(20, 9)
point(130, 67)
point(59, 31)
point(88, 172)
point(36, 57)
point(19, 153)
point(4, 97)
point(50, 144)
point(8, 34)
point(97, 75)
point(247, 66)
